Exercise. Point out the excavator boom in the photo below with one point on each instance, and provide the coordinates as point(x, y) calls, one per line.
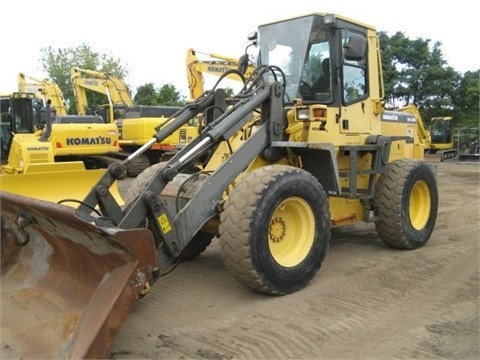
point(45, 90)
point(212, 64)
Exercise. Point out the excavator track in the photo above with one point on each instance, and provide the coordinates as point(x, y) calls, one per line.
point(137, 165)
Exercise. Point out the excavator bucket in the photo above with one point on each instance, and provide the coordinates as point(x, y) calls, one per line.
point(55, 186)
point(66, 285)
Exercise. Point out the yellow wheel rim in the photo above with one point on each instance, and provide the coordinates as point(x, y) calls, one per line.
point(291, 231)
point(420, 203)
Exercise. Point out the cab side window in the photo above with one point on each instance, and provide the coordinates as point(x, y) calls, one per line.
point(354, 68)
point(317, 72)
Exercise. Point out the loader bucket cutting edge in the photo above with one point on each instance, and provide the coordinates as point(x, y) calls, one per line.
point(66, 285)
point(55, 186)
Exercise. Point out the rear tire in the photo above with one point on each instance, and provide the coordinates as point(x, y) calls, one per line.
point(275, 229)
point(407, 197)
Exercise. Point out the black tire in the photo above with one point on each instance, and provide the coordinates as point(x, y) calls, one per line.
point(407, 197)
point(275, 229)
point(199, 242)
point(141, 181)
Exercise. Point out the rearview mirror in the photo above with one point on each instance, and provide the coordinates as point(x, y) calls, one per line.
point(243, 64)
point(355, 47)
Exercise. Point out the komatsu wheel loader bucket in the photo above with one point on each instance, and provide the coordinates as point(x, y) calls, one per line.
point(55, 186)
point(66, 285)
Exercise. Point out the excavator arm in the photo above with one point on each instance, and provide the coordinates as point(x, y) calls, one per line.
point(423, 133)
point(113, 88)
point(45, 90)
point(438, 143)
point(216, 65)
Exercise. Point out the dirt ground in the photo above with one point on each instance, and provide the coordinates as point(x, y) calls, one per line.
point(367, 301)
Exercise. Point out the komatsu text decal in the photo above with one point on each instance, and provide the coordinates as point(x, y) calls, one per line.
point(99, 140)
point(217, 69)
point(38, 148)
point(91, 82)
point(397, 116)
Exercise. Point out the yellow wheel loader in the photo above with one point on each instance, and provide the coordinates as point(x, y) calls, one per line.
point(45, 157)
point(276, 167)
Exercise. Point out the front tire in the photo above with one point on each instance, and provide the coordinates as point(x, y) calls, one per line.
point(407, 197)
point(200, 241)
point(275, 229)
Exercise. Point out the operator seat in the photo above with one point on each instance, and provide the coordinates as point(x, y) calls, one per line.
point(322, 84)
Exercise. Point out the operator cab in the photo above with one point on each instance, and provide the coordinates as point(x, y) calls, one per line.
point(324, 58)
point(17, 116)
point(21, 113)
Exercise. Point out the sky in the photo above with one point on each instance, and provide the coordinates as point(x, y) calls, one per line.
point(151, 38)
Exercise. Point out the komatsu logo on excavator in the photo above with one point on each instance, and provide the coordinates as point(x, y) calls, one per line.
point(91, 82)
point(99, 140)
point(217, 69)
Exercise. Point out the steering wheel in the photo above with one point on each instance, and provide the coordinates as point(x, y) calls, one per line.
point(304, 89)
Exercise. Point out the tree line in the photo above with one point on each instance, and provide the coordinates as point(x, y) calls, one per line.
point(414, 72)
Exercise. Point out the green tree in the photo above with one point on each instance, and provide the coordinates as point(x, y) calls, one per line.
point(146, 95)
point(167, 95)
point(466, 101)
point(416, 73)
point(58, 62)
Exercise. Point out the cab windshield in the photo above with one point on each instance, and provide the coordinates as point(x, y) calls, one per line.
point(301, 48)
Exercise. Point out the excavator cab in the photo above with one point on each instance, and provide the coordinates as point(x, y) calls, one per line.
point(442, 132)
point(18, 115)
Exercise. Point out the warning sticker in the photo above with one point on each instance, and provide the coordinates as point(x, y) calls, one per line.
point(164, 223)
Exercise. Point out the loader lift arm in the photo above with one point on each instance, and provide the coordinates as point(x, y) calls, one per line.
point(178, 229)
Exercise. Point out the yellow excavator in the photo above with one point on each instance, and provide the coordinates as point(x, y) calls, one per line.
point(216, 65)
point(86, 138)
point(136, 123)
point(438, 140)
point(44, 90)
point(270, 175)
point(47, 160)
